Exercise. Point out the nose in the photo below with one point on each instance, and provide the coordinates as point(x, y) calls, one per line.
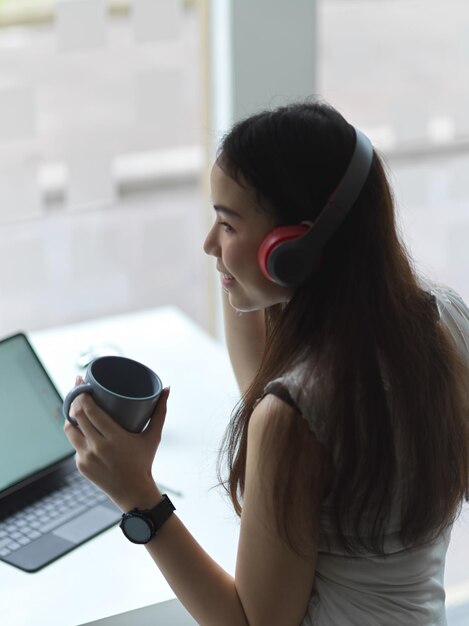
point(211, 245)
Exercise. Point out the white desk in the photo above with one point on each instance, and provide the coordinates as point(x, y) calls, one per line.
point(109, 575)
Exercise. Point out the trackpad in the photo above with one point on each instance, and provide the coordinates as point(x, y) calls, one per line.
point(88, 524)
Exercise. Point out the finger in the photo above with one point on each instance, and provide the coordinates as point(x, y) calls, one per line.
point(74, 435)
point(81, 406)
point(89, 431)
point(97, 418)
point(159, 415)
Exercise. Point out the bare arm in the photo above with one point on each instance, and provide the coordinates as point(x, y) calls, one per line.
point(245, 340)
point(207, 591)
point(272, 583)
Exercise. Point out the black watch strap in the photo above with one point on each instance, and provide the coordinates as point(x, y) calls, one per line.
point(160, 513)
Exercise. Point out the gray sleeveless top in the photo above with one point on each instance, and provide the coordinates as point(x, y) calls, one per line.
point(405, 587)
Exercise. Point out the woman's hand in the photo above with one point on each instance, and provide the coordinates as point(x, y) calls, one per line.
point(117, 461)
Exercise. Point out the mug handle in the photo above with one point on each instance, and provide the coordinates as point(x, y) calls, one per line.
point(70, 397)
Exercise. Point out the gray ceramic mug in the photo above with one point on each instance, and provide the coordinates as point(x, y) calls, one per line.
point(127, 390)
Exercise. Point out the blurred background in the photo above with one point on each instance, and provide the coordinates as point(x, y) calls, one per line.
point(108, 125)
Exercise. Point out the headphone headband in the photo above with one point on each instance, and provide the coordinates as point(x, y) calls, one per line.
point(291, 262)
point(355, 176)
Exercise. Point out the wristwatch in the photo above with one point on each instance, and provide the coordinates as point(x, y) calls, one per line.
point(140, 526)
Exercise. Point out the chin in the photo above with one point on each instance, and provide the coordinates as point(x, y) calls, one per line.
point(243, 305)
point(251, 305)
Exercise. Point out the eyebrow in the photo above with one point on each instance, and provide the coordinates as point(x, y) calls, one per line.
point(225, 209)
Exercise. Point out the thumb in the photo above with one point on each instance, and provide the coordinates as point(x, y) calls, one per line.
point(159, 414)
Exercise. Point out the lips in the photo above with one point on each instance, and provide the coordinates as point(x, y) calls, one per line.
point(226, 275)
point(227, 279)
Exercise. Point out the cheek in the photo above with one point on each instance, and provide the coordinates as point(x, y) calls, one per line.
point(239, 257)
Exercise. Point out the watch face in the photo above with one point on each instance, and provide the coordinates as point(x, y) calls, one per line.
point(137, 529)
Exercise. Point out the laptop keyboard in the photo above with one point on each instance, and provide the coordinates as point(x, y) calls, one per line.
point(76, 496)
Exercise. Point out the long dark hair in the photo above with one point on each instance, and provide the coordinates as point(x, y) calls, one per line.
point(362, 322)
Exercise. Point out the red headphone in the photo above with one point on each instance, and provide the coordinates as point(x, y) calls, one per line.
point(275, 238)
point(288, 255)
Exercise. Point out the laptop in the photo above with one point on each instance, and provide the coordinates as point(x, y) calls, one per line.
point(46, 507)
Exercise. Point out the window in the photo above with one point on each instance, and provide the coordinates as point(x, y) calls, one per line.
point(101, 204)
point(396, 69)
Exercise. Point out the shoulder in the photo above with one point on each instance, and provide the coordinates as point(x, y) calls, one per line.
point(297, 389)
point(447, 298)
point(277, 426)
point(272, 411)
point(454, 313)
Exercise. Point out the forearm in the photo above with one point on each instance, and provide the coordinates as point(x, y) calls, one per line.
point(245, 340)
point(206, 590)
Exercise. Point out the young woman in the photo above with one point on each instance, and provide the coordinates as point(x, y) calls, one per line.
point(348, 453)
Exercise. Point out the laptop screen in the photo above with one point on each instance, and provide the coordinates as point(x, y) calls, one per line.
point(31, 435)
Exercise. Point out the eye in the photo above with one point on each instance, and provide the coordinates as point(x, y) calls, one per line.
point(226, 227)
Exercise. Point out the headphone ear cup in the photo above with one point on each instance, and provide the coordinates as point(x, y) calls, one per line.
point(272, 243)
